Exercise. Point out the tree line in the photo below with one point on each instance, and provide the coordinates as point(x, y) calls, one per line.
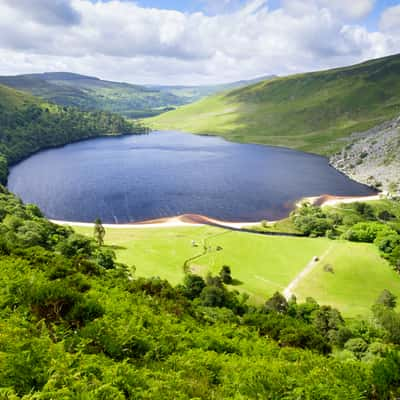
point(31, 127)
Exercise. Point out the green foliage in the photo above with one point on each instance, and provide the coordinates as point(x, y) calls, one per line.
point(311, 220)
point(387, 299)
point(277, 303)
point(367, 232)
point(75, 324)
point(226, 274)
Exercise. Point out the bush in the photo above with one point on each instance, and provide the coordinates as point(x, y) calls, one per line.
point(367, 232)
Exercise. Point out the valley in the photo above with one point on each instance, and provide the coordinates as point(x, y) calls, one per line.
point(302, 304)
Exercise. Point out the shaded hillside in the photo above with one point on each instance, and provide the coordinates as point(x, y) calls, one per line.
point(310, 112)
point(28, 125)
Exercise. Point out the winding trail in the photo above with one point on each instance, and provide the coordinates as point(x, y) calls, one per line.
point(288, 292)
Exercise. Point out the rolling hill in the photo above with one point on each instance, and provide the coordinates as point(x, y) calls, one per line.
point(310, 112)
point(91, 93)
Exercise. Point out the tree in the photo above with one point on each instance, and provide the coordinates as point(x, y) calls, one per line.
point(99, 232)
point(277, 303)
point(225, 274)
point(193, 284)
point(387, 298)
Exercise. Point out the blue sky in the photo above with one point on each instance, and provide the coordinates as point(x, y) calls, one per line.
point(211, 7)
point(203, 42)
point(371, 21)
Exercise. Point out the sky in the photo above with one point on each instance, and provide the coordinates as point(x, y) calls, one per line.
point(193, 41)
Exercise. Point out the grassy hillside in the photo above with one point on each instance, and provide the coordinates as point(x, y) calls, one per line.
point(90, 93)
point(28, 124)
point(310, 112)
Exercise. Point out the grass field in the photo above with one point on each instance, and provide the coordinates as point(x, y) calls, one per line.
point(261, 265)
point(311, 112)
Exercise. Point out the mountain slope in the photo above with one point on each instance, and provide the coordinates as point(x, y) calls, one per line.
point(310, 112)
point(91, 93)
point(28, 124)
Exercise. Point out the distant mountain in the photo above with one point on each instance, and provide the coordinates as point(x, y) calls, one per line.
point(91, 93)
point(313, 112)
point(194, 93)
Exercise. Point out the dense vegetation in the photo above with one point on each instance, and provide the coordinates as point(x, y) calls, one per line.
point(74, 323)
point(27, 125)
point(357, 222)
point(309, 112)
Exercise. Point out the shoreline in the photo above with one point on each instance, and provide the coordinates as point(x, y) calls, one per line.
point(185, 220)
point(196, 220)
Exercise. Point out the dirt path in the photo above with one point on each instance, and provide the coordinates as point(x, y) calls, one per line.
point(288, 292)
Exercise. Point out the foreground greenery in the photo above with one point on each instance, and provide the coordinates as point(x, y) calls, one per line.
point(309, 112)
point(28, 125)
point(76, 324)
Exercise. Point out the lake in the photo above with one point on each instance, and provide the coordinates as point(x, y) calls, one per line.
point(135, 178)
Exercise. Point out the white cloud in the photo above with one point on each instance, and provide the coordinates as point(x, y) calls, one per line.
point(352, 9)
point(390, 20)
point(122, 41)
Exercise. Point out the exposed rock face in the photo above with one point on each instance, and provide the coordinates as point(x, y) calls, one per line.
point(373, 157)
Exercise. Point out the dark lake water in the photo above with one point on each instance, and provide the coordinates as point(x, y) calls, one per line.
point(134, 178)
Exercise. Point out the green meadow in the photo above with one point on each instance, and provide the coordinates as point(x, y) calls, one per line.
point(260, 264)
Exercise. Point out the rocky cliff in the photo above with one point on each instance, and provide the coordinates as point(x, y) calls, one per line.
point(373, 157)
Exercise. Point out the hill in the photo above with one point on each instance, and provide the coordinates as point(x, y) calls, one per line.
point(91, 93)
point(311, 112)
point(29, 124)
